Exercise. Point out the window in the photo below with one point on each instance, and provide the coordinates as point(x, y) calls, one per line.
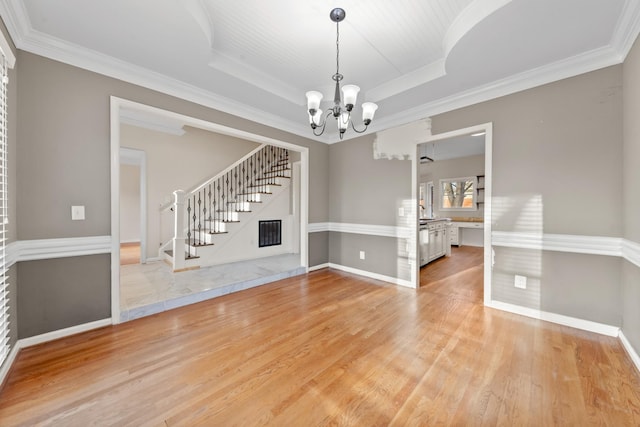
point(458, 194)
point(4, 286)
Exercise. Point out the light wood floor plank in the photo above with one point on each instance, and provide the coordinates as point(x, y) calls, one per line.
point(330, 348)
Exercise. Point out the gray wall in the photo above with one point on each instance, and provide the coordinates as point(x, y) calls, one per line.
point(60, 293)
point(318, 248)
point(630, 182)
point(367, 191)
point(557, 152)
point(63, 159)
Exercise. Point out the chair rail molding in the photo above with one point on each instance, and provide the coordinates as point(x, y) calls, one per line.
point(593, 245)
point(367, 229)
point(31, 250)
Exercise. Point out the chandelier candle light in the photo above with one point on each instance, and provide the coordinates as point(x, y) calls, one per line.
point(341, 112)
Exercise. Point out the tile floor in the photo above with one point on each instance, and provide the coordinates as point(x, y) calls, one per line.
point(151, 288)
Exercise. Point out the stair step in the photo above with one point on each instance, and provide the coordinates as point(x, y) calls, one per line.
point(186, 254)
point(256, 192)
point(277, 172)
point(199, 243)
point(214, 226)
point(264, 185)
point(272, 178)
point(239, 206)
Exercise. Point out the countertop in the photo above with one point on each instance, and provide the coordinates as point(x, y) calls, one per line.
point(424, 221)
point(463, 219)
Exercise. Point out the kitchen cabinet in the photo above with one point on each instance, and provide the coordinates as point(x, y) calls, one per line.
point(434, 240)
point(454, 235)
point(459, 229)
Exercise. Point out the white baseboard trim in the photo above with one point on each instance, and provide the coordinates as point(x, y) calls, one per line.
point(49, 336)
point(318, 267)
point(635, 358)
point(6, 366)
point(154, 259)
point(371, 275)
point(585, 325)
point(61, 333)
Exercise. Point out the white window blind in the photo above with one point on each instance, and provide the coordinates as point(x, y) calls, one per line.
point(4, 286)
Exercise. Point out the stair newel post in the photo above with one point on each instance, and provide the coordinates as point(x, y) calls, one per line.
point(178, 232)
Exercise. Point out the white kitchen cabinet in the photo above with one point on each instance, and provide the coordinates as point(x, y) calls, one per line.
point(434, 240)
point(454, 235)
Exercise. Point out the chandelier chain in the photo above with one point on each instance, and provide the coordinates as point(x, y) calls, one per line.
point(337, 48)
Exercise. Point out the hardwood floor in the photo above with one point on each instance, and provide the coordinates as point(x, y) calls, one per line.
point(129, 253)
point(330, 348)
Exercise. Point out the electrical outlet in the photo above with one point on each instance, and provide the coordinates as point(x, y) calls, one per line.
point(77, 213)
point(520, 282)
point(400, 211)
point(361, 254)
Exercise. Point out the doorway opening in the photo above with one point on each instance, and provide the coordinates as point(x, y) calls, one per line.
point(452, 184)
point(133, 206)
point(200, 284)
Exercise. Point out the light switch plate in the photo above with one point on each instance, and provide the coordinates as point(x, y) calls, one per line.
point(361, 254)
point(520, 282)
point(77, 213)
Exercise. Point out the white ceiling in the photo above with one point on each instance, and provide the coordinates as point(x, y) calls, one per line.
point(453, 148)
point(256, 59)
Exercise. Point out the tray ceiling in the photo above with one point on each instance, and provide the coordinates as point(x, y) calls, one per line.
point(256, 59)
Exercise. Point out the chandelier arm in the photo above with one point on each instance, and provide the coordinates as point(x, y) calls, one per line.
point(323, 125)
point(358, 131)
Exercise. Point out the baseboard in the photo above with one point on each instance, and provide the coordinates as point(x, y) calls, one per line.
point(635, 358)
point(371, 275)
point(61, 333)
point(319, 267)
point(42, 338)
point(6, 366)
point(585, 325)
point(153, 259)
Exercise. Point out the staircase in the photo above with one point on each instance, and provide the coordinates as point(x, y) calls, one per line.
point(211, 213)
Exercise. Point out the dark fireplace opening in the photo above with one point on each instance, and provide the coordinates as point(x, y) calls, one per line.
point(269, 233)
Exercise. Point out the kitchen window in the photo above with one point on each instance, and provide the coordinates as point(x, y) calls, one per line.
point(458, 194)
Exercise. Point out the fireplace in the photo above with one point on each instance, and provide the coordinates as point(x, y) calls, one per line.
point(269, 233)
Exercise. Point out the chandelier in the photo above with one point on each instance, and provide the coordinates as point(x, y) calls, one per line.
point(340, 111)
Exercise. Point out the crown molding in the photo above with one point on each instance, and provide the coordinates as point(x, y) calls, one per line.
point(627, 29)
point(26, 38)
